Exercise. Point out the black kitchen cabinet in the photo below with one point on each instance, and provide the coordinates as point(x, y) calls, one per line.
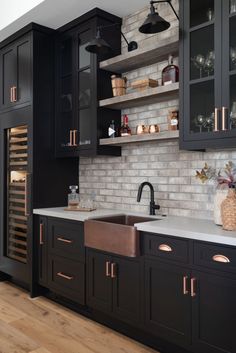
point(28, 168)
point(207, 78)
point(15, 73)
point(214, 313)
point(41, 229)
point(80, 84)
point(114, 286)
point(167, 301)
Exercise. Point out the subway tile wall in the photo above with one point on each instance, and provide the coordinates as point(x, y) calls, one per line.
point(115, 180)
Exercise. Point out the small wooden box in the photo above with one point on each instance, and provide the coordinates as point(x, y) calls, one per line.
point(141, 85)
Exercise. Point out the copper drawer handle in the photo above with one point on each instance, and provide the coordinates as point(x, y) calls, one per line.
point(113, 270)
point(108, 271)
point(11, 94)
point(74, 138)
point(14, 94)
point(221, 258)
point(193, 287)
point(165, 247)
point(71, 138)
point(185, 288)
point(224, 112)
point(62, 275)
point(63, 240)
point(41, 234)
point(216, 128)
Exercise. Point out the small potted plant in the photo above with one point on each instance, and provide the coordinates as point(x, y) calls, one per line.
point(223, 178)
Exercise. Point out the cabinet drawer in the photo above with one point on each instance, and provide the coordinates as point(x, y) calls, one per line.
point(66, 239)
point(166, 247)
point(67, 278)
point(218, 257)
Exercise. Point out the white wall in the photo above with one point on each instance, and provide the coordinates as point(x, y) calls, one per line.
point(11, 10)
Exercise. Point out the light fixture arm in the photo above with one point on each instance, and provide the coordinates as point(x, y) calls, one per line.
point(162, 1)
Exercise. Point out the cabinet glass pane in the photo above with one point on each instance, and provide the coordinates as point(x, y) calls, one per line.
point(232, 39)
point(201, 11)
point(66, 57)
point(202, 105)
point(202, 53)
point(85, 126)
point(17, 167)
point(233, 102)
point(84, 88)
point(66, 94)
point(84, 56)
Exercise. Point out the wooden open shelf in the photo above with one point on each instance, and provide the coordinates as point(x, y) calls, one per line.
point(149, 96)
point(117, 141)
point(142, 57)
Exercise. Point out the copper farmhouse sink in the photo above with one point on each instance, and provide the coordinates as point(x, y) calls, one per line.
point(115, 234)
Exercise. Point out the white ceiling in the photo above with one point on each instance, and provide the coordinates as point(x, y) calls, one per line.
point(54, 13)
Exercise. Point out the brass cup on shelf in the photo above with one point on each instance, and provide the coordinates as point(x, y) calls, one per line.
point(154, 128)
point(142, 129)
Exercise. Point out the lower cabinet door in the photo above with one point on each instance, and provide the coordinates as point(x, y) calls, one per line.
point(67, 278)
point(168, 302)
point(99, 284)
point(42, 250)
point(127, 282)
point(214, 314)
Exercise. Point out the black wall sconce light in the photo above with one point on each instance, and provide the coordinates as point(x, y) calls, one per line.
point(154, 23)
point(99, 46)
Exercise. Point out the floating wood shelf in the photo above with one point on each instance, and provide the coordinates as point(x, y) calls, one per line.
point(149, 96)
point(165, 135)
point(142, 57)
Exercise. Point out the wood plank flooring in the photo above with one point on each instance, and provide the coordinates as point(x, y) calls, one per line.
point(41, 326)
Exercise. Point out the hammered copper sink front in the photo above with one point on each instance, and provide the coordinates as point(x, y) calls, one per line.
point(115, 234)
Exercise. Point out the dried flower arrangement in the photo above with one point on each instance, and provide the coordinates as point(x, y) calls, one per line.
point(223, 177)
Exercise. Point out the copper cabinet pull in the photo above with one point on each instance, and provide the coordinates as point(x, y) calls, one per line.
point(11, 95)
point(108, 272)
point(216, 128)
point(61, 274)
point(14, 94)
point(165, 247)
point(71, 138)
point(220, 258)
point(26, 195)
point(193, 289)
point(185, 287)
point(74, 138)
point(224, 116)
point(63, 240)
point(41, 234)
point(113, 270)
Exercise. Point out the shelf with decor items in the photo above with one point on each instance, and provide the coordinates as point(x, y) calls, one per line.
point(149, 96)
point(143, 56)
point(117, 141)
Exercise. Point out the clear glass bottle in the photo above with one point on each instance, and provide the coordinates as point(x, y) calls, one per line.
point(73, 197)
point(125, 129)
point(170, 74)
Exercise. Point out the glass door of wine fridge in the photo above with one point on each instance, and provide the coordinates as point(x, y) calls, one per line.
point(15, 198)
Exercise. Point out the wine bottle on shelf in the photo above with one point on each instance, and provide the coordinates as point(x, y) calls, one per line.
point(170, 74)
point(125, 129)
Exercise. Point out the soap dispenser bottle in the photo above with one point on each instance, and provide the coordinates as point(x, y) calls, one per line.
point(73, 197)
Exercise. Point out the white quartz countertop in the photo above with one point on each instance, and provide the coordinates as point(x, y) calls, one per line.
point(190, 228)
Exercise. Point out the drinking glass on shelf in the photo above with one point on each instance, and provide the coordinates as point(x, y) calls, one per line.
point(199, 62)
point(210, 14)
point(209, 122)
point(199, 121)
point(233, 56)
point(209, 62)
point(232, 6)
point(233, 116)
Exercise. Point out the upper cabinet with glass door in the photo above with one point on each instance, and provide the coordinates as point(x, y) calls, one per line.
point(204, 110)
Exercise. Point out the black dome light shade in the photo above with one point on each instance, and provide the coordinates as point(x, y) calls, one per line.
point(98, 45)
point(154, 23)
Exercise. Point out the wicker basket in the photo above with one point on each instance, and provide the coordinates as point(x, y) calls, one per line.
point(228, 211)
point(119, 85)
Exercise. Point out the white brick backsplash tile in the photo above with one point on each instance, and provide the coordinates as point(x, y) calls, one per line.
point(172, 172)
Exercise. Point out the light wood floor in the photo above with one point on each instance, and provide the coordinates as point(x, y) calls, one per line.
point(41, 326)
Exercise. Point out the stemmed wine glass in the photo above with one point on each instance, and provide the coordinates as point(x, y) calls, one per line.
point(199, 63)
point(199, 121)
point(209, 122)
point(233, 56)
point(209, 62)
